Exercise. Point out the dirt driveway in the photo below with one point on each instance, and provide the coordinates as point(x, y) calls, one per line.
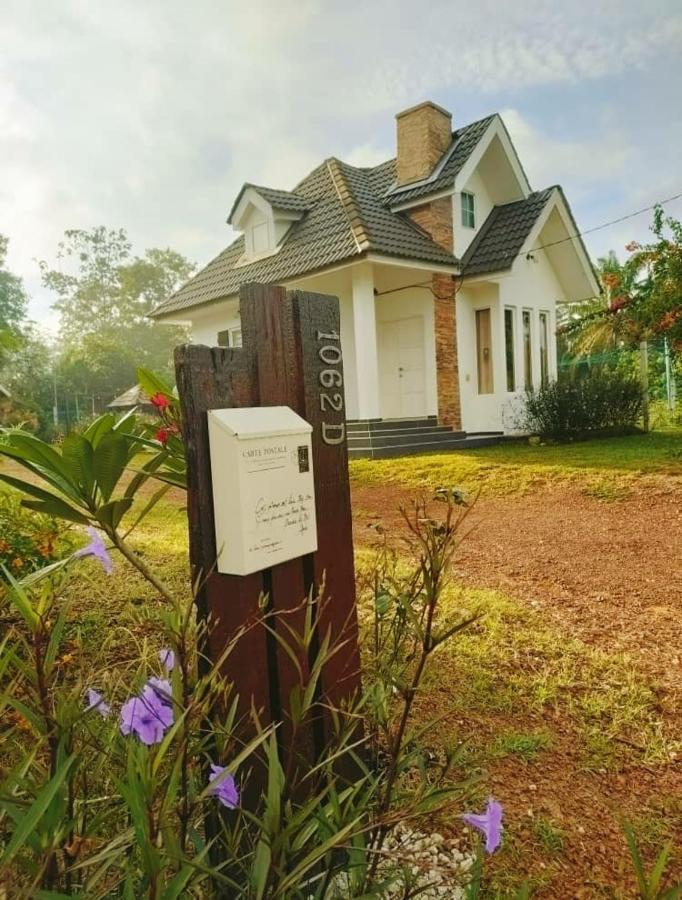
point(610, 574)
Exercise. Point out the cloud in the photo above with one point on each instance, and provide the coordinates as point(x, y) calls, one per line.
point(604, 156)
point(151, 115)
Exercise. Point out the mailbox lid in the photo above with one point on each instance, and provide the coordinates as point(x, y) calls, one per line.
point(246, 423)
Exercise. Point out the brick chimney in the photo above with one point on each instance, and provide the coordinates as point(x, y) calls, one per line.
point(424, 134)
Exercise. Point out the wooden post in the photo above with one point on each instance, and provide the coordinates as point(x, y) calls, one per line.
point(291, 356)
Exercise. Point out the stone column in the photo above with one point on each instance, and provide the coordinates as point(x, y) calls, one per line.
point(436, 219)
point(447, 366)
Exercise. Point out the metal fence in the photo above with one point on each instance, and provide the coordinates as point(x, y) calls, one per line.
point(663, 365)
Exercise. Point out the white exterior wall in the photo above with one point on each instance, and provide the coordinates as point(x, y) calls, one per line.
point(483, 205)
point(207, 322)
point(530, 285)
point(348, 347)
point(480, 412)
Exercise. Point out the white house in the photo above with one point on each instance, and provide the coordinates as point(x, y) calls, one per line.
point(447, 266)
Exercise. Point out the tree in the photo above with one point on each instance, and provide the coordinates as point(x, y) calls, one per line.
point(28, 373)
point(656, 270)
point(642, 298)
point(86, 280)
point(13, 303)
point(104, 296)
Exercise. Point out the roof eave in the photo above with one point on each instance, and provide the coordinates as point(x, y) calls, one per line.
point(183, 313)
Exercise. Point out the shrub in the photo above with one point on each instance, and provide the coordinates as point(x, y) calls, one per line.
point(602, 400)
point(27, 541)
point(111, 784)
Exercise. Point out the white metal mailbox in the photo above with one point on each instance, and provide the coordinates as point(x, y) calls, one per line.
point(263, 490)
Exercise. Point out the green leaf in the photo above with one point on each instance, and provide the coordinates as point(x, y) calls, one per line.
point(19, 599)
point(42, 454)
point(177, 886)
point(55, 639)
point(151, 384)
point(636, 859)
point(78, 454)
point(55, 481)
point(145, 473)
point(127, 418)
point(111, 457)
point(33, 490)
point(33, 578)
point(97, 429)
point(57, 508)
point(659, 867)
point(38, 808)
point(110, 514)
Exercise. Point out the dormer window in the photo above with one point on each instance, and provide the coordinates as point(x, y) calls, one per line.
point(468, 210)
point(258, 238)
point(265, 216)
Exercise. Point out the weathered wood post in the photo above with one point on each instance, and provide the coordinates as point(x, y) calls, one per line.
point(291, 356)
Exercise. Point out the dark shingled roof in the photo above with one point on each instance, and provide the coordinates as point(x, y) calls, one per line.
point(463, 142)
point(287, 200)
point(503, 233)
point(346, 217)
point(347, 211)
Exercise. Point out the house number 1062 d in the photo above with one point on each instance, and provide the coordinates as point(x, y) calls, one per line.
point(330, 378)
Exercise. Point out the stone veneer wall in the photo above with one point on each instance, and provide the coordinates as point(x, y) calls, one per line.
point(436, 219)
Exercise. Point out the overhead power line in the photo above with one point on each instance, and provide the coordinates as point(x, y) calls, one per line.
point(608, 224)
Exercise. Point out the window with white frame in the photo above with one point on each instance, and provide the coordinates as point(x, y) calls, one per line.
point(235, 337)
point(527, 350)
point(259, 238)
point(510, 346)
point(230, 337)
point(544, 347)
point(468, 210)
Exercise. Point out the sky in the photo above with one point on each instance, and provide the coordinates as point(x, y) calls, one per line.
point(149, 115)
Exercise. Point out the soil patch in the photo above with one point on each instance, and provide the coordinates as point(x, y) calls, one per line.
point(609, 574)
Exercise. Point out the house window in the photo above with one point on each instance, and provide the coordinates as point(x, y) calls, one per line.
point(260, 238)
point(468, 211)
point(509, 347)
point(235, 337)
point(484, 352)
point(527, 351)
point(544, 347)
point(230, 337)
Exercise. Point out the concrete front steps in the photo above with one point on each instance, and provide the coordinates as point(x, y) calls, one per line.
point(378, 438)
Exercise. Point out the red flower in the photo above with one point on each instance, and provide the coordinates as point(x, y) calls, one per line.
point(163, 434)
point(610, 280)
point(632, 246)
point(160, 401)
point(617, 303)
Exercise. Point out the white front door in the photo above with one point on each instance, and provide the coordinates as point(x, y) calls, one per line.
point(401, 368)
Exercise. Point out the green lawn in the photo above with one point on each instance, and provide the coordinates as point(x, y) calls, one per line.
point(518, 466)
point(515, 694)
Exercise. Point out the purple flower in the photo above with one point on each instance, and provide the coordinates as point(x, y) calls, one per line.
point(94, 700)
point(490, 823)
point(222, 785)
point(160, 688)
point(148, 716)
point(167, 658)
point(97, 549)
